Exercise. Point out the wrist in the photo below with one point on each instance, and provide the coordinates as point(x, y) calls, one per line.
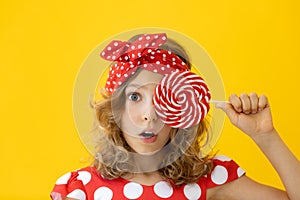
point(265, 138)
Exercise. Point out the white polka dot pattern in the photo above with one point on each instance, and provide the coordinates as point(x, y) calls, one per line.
point(63, 179)
point(84, 176)
point(222, 158)
point(163, 189)
point(87, 183)
point(192, 191)
point(132, 190)
point(219, 175)
point(240, 172)
point(77, 194)
point(143, 53)
point(103, 193)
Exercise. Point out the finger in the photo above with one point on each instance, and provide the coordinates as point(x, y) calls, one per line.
point(246, 105)
point(235, 102)
point(254, 102)
point(229, 110)
point(262, 102)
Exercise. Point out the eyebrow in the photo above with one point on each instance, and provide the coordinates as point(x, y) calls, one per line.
point(134, 85)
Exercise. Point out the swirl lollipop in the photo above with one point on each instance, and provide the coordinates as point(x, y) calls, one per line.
point(181, 100)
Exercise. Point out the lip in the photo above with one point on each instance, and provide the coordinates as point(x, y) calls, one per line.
point(145, 136)
point(149, 140)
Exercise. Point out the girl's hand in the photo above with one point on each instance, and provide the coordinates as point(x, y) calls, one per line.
point(249, 113)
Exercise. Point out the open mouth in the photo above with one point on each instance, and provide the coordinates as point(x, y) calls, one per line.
point(147, 135)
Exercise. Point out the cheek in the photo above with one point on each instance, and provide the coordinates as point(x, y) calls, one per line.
point(133, 112)
point(129, 121)
point(166, 132)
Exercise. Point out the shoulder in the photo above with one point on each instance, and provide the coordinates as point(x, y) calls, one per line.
point(80, 184)
point(224, 170)
point(228, 181)
point(83, 175)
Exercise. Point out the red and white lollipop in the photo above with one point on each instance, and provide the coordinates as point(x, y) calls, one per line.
point(181, 100)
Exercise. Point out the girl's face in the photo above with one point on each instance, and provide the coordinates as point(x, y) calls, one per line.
point(143, 130)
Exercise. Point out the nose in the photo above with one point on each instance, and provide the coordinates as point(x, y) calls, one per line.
point(149, 114)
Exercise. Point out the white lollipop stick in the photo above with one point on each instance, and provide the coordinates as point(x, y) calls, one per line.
point(217, 101)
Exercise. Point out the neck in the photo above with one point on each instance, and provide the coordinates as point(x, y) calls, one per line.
point(145, 164)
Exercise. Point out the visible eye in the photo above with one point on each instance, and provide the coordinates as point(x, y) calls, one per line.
point(134, 96)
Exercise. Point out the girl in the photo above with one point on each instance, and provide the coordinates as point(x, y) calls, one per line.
point(150, 126)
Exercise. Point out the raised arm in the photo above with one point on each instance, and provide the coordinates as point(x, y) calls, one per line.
point(252, 115)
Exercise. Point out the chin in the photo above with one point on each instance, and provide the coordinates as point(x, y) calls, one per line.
point(149, 152)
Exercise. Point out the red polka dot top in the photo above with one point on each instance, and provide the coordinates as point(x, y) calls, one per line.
point(88, 184)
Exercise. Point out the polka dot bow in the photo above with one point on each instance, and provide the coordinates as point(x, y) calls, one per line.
point(180, 99)
point(142, 53)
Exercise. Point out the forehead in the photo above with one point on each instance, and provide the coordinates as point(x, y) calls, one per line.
point(146, 77)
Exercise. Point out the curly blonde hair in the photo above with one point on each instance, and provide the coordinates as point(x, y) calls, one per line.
point(184, 165)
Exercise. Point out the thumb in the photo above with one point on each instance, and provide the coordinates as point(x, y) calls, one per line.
point(228, 109)
point(221, 105)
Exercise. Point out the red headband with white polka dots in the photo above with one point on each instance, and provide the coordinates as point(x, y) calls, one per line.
point(181, 100)
point(142, 53)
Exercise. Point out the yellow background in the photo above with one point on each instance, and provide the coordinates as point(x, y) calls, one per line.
point(255, 45)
